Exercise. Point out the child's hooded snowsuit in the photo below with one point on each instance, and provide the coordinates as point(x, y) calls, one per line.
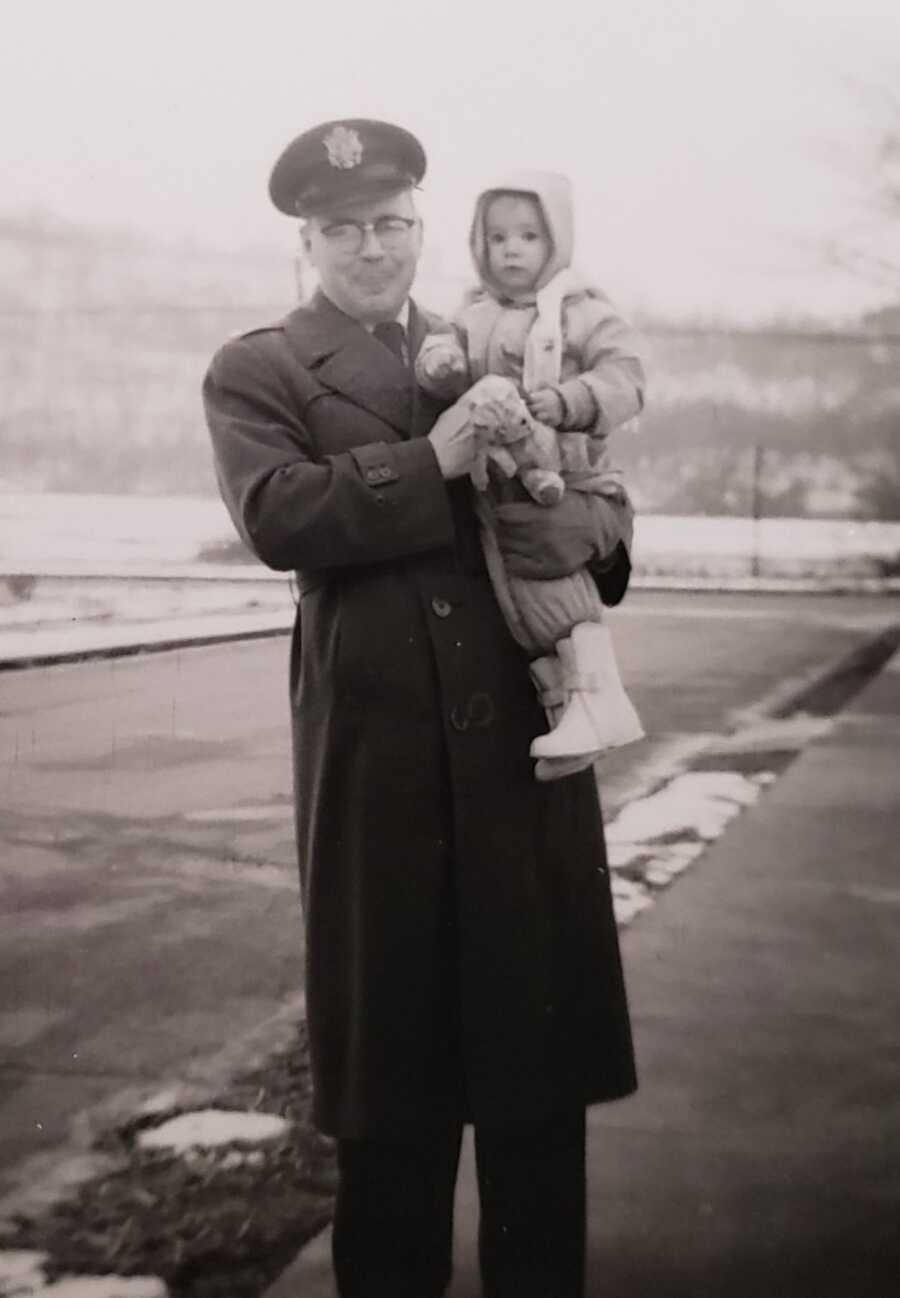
point(565, 333)
point(562, 332)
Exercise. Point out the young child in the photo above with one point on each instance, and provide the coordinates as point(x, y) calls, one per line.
point(536, 322)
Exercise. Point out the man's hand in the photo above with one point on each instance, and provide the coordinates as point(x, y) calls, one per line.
point(456, 440)
point(546, 404)
point(544, 542)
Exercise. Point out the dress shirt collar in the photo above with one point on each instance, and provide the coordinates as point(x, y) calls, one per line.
point(402, 318)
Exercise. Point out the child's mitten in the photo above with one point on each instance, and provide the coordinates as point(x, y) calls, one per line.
point(441, 367)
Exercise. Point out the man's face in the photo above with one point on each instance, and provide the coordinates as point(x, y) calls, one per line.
point(366, 276)
point(518, 244)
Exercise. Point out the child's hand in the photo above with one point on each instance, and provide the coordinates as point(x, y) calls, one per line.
point(546, 404)
point(442, 363)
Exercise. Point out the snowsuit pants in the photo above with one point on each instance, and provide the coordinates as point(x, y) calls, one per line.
point(538, 612)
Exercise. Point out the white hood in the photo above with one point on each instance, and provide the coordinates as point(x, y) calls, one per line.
point(554, 194)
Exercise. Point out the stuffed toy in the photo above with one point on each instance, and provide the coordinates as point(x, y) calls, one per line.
point(513, 440)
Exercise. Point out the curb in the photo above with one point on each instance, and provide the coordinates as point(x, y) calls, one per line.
point(823, 689)
point(195, 640)
point(769, 585)
point(831, 689)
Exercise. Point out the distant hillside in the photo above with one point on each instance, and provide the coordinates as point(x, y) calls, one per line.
point(811, 420)
point(105, 336)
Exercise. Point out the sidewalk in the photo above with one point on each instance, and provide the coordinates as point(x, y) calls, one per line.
point(74, 637)
point(761, 1156)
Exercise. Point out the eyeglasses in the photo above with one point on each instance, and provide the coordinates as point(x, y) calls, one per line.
point(392, 232)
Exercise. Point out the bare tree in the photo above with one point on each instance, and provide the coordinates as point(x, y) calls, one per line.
point(869, 246)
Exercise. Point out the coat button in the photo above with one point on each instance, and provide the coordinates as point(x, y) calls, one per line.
point(475, 714)
point(480, 711)
point(458, 717)
point(441, 606)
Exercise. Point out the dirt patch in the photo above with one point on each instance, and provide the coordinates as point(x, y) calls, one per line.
point(213, 1223)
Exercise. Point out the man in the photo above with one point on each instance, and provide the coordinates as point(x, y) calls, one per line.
point(462, 957)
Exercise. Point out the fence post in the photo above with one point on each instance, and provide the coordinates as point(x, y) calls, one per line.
point(756, 508)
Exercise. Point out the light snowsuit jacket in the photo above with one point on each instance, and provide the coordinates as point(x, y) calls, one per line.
point(600, 380)
point(601, 377)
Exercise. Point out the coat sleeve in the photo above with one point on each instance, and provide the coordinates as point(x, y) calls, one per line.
point(613, 518)
point(370, 504)
point(609, 390)
point(613, 576)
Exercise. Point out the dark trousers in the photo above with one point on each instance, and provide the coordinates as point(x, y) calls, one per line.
point(393, 1222)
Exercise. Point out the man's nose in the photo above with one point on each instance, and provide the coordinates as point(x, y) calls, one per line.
point(371, 246)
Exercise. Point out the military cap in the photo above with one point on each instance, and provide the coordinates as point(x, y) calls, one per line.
point(344, 161)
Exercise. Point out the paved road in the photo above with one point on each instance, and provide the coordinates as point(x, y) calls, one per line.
point(146, 841)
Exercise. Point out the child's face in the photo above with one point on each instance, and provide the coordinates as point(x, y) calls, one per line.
point(518, 244)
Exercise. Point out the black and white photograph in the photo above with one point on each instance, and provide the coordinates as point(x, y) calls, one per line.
point(450, 649)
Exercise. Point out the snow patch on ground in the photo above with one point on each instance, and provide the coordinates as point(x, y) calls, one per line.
point(160, 1102)
point(60, 606)
point(657, 837)
point(670, 861)
point(22, 1275)
point(103, 1286)
point(20, 1271)
point(629, 899)
point(49, 527)
point(209, 1128)
point(697, 804)
point(239, 1158)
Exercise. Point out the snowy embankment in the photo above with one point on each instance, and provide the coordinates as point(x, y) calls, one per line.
point(72, 562)
point(47, 530)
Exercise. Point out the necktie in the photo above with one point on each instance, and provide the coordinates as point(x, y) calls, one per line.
point(393, 335)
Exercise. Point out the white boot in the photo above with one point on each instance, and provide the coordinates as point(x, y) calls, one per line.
point(599, 714)
point(547, 674)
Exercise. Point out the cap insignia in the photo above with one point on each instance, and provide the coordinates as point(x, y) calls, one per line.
point(344, 147)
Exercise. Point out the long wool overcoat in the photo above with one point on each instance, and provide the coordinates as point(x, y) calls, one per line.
point(462, 955)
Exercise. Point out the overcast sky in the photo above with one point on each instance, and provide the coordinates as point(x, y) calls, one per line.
point(709, 142)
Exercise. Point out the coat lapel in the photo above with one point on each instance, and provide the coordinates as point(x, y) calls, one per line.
point(346, 358)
